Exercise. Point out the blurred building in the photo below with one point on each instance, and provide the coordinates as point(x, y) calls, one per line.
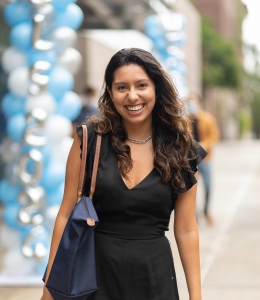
point(226, 17)
point(116, 16)
point(222, 13)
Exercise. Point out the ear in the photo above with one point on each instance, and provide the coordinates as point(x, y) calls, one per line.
point(109, 92)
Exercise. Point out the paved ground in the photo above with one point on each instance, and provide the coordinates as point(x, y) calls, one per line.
point(230, 250)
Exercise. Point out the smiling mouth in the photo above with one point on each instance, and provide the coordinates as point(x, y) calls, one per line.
point(135, 108)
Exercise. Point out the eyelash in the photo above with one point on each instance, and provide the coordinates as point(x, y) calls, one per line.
point(142, 85)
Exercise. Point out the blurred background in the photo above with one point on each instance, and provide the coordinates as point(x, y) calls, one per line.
point(53, 57)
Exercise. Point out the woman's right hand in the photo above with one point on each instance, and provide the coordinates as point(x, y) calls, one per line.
point(46, 295)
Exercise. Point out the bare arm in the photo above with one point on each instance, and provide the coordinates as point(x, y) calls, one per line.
point(68, 202)
point(187, 238)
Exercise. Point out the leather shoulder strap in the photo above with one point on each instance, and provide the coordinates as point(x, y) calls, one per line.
point(95, 167)
point(83, 160)
point(83, 163)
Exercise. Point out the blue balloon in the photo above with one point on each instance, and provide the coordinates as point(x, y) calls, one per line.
point(55, 197)
point(152, 21)
point(10, 215)
point(17, 12)
point(160, 43)
point(21, 36)
point(71, 17)
point(34, 55)
point(8, 192)
point(53, 175)
point(16, 126)
point(12, 105)
point(61, 5)
point(61, 81)
point(154, 32)
point(69, 106)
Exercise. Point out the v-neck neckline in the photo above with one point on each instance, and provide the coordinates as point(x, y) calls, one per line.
point(140, 182)
point(121, 178)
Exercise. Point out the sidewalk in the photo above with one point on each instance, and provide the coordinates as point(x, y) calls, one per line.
point(230, 251)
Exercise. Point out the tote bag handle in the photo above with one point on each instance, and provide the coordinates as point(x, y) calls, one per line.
point(83, 163)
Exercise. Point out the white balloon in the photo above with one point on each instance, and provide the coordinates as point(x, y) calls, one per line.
point(71, 59)
point(12, 59)
point(61, 150)
point(9, 150)
point(44, 101)
point(57, 127)
point(14, 263)
point(51, 214)
point(18, 81)
point(63, 37)
point(9, 238)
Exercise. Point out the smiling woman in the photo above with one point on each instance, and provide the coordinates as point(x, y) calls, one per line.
point(133, 95)
point(147, 168)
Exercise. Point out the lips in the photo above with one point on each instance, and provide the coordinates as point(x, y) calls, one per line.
point(134, 108)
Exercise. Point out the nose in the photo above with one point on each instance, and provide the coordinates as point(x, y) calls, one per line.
point(133, 95)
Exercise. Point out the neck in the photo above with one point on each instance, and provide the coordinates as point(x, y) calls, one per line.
point(138, 131)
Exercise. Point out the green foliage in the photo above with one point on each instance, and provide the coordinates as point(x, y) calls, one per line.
point(221, 66)
point(254, 99)
point(255, 110)
point(244, 122)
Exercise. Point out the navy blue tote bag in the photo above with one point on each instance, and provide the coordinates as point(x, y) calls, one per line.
point(73, 273)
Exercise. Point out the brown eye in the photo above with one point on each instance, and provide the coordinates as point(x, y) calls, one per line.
point(121, 87)
point(143, 85)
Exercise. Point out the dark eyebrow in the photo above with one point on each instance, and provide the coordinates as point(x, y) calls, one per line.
point(144, 79)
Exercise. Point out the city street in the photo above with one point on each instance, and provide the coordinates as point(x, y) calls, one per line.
point(230, 249)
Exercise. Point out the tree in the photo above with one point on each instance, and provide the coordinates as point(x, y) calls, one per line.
point(221, 66)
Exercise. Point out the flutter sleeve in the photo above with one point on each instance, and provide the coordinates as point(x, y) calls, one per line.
point(188, 175)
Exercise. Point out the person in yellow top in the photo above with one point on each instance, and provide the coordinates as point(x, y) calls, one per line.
point(206, 132)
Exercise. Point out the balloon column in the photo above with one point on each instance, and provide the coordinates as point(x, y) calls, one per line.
point(39, 108)
point(166, 31)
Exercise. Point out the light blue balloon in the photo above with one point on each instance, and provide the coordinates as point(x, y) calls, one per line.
point(34, 55)
point(45, 151)
point(21, 36)
point(154, 32)
point(71, 17)
point(10, 215)
point(152, 21)
point(160, 43)
point(16, 126)
point(61, 5)
point(8, 192)
point(53, 175)
point(55, 197)
point(69, 106)
point(61, 81)
point(12, 105)
point(17, 12)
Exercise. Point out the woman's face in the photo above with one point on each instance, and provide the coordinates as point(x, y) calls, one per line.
point(133, 94)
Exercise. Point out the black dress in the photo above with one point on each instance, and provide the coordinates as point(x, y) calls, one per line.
point(133, 256)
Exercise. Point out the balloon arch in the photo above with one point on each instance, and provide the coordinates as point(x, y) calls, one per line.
point(39, 108)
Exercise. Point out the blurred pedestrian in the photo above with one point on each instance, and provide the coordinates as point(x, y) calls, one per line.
point(89, 101)
point(206, 132)
point(147, 168)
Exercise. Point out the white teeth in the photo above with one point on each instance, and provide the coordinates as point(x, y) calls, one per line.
point(134, 108)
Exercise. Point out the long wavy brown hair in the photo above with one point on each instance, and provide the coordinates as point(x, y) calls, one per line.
point(172, 140)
